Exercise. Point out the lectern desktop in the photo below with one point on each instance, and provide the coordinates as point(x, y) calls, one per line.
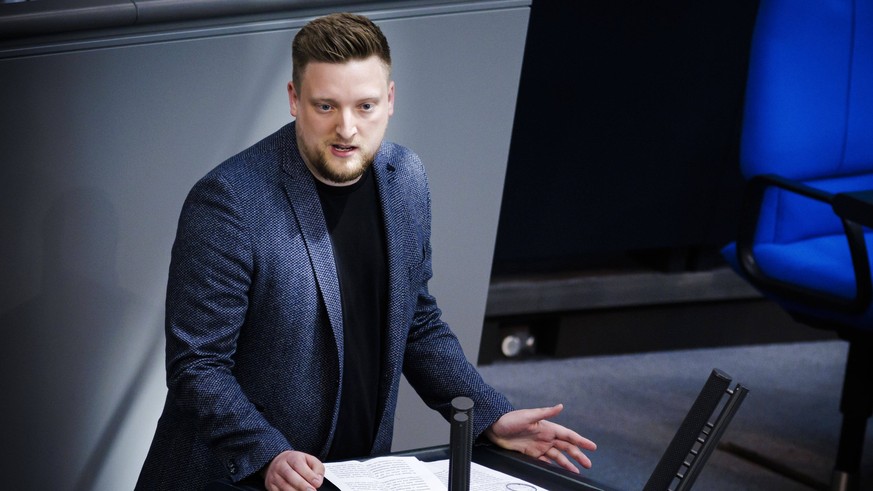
point(515, 464)
point(681, 463)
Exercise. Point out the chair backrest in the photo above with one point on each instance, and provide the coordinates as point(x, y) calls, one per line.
point(808, 105)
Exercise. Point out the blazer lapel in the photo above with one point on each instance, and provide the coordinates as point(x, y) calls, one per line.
point(303, 197)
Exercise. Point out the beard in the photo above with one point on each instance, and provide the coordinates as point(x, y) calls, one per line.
point(333, 169)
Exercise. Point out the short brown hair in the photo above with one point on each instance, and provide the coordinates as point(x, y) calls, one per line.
point(337, 38)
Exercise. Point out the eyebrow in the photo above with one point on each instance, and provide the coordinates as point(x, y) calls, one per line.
point(334, 102)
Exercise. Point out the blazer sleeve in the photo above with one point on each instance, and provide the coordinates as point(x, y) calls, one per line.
point(434, 362)
point(207, 299)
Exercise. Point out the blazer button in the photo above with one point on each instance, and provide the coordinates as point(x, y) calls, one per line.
point(231, 467)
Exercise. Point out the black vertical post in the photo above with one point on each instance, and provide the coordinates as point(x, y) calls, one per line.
point(460, 444)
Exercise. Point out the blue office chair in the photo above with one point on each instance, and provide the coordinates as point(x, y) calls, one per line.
point(807, 145)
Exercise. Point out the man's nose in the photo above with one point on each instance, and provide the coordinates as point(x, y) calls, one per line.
point(346, 127)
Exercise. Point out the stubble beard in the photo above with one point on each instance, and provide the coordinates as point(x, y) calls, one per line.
point(347, 171)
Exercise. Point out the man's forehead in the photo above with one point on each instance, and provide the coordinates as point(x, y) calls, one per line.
point(358, 64)
point(320, 91)
point(331, 81)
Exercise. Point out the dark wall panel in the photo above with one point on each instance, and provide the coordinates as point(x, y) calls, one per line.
point(626, 133)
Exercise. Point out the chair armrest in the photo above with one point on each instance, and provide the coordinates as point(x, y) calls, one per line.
point(851, 204)
point(766, 180)
point(855, 206)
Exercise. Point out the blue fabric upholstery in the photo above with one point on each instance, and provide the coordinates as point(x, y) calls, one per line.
point(808, 117)
point(810, 90)
point(807, 136)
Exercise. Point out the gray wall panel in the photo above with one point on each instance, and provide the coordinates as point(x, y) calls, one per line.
point(101, 145)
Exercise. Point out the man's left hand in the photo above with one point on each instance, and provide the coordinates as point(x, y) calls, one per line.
point(527, 431)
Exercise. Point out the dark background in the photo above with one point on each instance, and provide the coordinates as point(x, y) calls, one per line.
point(624, 151)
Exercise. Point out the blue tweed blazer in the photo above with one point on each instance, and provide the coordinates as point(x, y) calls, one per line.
point(254, 323)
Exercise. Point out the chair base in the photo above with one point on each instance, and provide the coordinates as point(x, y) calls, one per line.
point(857, 406)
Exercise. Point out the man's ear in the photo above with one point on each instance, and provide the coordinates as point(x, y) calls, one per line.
point(391, 98)
point(293, 99)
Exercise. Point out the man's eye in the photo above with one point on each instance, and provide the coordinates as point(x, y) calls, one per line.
point(367, 106)
point(324, 107)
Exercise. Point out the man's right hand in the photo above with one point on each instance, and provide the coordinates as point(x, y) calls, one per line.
point(294, 471)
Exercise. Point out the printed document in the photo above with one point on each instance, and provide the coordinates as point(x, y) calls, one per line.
point(411, 474)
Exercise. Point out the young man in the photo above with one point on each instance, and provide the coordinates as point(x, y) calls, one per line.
point(298, 294)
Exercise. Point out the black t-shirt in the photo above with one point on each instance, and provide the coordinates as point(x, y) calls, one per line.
point(354, 220)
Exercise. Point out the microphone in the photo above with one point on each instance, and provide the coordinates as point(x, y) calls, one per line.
point(460, 444)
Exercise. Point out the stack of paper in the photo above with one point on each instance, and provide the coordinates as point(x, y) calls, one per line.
point(411, 474)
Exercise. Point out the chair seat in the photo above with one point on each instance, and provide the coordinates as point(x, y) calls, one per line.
point(822, 264)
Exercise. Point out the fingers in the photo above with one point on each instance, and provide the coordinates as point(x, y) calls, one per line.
point(539, 414)
point(311, 470)
point(561, 433)
point(564, 434)
point(568, 441)
point(559, 458)
point(580, 457)
point(294, 471)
